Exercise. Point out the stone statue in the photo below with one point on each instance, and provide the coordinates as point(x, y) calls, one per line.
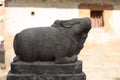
point(50, 53)
point(60, 43)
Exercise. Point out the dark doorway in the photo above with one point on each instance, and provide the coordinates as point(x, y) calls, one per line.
point(97, 18)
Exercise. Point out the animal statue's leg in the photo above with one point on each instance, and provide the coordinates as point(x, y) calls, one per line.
point(74, 57)
point(16, 58)
point(66, 60)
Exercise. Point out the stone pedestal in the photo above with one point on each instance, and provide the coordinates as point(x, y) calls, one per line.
point(46, 71)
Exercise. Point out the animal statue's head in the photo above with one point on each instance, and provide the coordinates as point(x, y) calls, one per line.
point(78, 27)
point(78, 24)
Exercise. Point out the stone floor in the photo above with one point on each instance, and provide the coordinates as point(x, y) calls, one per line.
point(3, 74)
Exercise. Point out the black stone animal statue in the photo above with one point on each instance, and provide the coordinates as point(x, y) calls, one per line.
point(60, 43)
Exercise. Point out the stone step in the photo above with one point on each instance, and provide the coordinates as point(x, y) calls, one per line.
point(45, 76)
point(45, 67)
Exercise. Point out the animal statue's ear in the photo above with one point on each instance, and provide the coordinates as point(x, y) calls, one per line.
point(66, 24)
point(57, 22)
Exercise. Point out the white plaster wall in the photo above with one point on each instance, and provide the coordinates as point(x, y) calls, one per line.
point(115, 21)
point(100, 51)
point(18, 19)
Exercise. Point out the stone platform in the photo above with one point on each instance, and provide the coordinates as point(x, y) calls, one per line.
point(46, 71)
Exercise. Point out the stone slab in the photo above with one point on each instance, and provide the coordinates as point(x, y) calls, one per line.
point(44, 76)
point(45, 67)
point(46, 71)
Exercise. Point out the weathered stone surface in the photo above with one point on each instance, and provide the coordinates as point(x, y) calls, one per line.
point(46, 71)
point(80, 76)
point(50, 53)
point(46, 67)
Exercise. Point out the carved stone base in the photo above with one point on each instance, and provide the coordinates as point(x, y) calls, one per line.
point(46, 71)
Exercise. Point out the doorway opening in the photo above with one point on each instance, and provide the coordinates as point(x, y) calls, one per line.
point(97, 19)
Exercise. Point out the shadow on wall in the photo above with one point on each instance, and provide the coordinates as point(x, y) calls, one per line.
point(117, 78)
